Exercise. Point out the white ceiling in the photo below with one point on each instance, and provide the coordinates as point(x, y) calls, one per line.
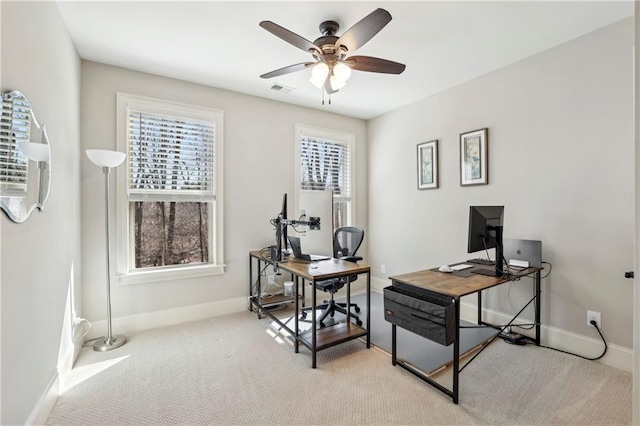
point(443, 43)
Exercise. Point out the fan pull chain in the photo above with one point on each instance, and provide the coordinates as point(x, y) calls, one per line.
point(328, 98)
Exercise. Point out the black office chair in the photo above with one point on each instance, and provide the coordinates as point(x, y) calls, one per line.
point(346, 241)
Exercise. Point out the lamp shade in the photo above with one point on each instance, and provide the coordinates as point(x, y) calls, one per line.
point(105, 158)
point(319, 74)
point(35, 151)
point(341, 71)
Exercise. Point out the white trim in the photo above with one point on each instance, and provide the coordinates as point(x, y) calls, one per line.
point(616, 356)
point(43, 407)
point(169, 273)
point(146, 321)
point(121, 270)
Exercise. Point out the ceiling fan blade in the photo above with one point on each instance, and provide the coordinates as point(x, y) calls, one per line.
point(327, 86)
point(287, 70)
point(290, 37)
point(364, 30)
point(371, 64)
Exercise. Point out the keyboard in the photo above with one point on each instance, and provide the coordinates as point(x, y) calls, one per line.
point(461, 267)
point(480, 261)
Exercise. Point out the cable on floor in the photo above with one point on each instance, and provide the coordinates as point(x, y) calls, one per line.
point(595, 324)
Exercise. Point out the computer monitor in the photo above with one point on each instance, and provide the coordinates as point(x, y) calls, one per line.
point(485, 232)
point(281, 231)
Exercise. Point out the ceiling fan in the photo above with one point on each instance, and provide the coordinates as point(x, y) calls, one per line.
point(332, 66)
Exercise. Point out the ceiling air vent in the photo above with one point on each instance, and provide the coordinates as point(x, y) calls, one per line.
point(281, 88)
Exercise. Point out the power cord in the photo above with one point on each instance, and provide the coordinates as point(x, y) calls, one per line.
point(595, 324)
point(520, 326)
point(530, 326)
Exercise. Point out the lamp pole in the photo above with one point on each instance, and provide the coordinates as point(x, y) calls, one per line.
point(107, 160)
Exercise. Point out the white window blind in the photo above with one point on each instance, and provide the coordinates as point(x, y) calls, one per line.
point(170, 158)
point(15, 127)
point(325, 165)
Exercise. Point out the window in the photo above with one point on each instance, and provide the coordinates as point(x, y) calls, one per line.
point(325, 162)
point(15, 128)
point(169, 193)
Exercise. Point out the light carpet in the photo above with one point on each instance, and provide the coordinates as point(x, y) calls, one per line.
point(231, 370)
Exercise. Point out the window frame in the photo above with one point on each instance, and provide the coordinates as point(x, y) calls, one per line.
point(125, 272)
point(336, 136)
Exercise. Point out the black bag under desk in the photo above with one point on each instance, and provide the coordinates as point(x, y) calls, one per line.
point(422, 312)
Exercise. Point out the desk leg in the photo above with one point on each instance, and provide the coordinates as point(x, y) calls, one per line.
point(369, 310)
point(480, 307)
point(348, 300)
point(259, 292)
point(456, 351)
point(393, 345)
point(313, 323)
point(250, 283)
point(538, 306)
point(295, 321)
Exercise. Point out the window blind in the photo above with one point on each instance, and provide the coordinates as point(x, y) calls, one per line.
point(15, 127)
point(170, 158)
point(325, 165)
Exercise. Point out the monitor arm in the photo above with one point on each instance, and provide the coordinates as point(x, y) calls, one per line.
point(281, 224)
point(499, 249)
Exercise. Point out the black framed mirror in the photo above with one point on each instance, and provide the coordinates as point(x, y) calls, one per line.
point(25, 159)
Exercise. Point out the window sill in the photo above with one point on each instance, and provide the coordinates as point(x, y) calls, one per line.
point(169, 273)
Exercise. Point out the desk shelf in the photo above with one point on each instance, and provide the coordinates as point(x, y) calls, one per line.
point(273, 300)
point(332, 335)
point(260, 304)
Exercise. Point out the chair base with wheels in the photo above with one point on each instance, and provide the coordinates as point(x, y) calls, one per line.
point(346, 241)
point(330, 307)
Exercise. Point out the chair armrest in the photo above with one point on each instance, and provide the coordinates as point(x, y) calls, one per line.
point(351, 258)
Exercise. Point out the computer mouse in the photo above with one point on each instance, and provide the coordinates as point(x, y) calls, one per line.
point(445, 268)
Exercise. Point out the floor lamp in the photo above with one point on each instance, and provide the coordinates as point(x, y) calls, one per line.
point(107, 160)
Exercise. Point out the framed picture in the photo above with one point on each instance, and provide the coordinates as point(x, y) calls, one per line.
point(474, 162)
point(428, 165)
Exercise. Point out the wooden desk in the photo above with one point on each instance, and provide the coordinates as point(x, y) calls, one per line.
point(450, 288)
point(318, 339)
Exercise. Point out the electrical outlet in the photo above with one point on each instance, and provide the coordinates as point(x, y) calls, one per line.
point(595, 316)
point(271, 279)
point(383, 269)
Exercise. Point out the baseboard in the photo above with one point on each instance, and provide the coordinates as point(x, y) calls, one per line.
point(136, 323)
point(42, 409)
point(378, 284)
point(616, 356)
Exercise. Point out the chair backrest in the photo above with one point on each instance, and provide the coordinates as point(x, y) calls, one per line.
point(347, 241)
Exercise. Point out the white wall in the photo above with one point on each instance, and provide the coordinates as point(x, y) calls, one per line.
point(258, 169)
point(41, 256)
point(560, 161)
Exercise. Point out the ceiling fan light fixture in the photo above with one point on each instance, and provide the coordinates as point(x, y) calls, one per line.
point(320, 72)
point(341, 71)
point(336, 83)
point(317, 83)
